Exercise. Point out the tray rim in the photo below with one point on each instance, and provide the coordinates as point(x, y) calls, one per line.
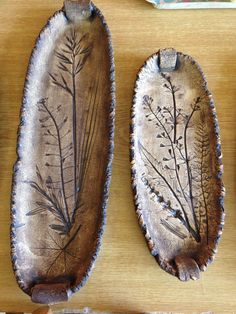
point(218, 152)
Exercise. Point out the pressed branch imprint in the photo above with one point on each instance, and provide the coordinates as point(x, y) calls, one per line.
point(58, 251)
point(59, 194)
point(186, 175)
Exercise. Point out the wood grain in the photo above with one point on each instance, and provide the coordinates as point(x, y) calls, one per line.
point(126, 277)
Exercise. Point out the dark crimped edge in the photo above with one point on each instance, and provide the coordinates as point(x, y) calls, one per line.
point(166, 266)
point(101, 228)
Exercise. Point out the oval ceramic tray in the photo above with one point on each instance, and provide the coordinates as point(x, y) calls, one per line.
point(65, 148)
point(176, 163)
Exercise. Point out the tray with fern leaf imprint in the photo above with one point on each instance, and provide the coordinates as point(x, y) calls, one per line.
point(176, 164)
point(65, 148)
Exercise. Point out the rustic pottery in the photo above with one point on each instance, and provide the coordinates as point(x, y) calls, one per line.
point(176, 164)
point(65, 147)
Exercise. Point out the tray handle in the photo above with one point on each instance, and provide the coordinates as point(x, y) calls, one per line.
point(50, 293)
point(77, 10)
point(167, 60)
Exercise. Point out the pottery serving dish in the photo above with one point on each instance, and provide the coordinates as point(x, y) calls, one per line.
point(177, 163)
point(65, 148)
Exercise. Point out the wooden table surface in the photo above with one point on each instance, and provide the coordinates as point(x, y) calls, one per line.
point(126, 277)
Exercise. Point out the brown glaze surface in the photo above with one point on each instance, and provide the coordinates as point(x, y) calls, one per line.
point(176, 164)
point(65, 149)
